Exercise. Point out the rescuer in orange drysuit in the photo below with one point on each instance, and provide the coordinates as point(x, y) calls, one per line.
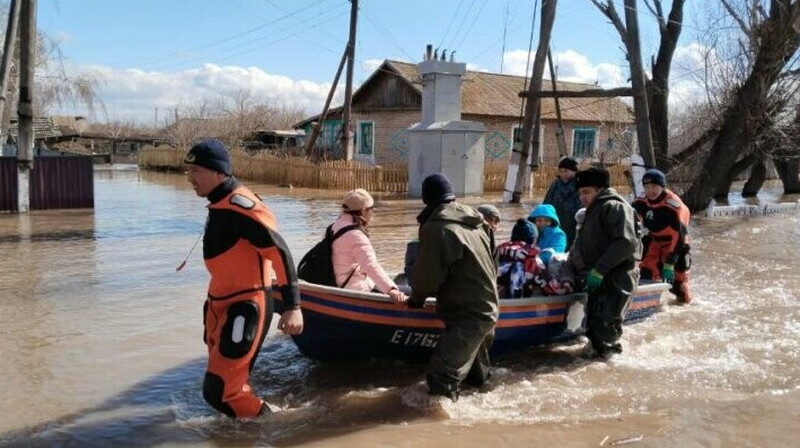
point(666, 245)
point(241, 249)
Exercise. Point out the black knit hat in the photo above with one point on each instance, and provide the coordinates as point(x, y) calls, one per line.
point(654, 176)
point(593, 177)
point(211, 154)
point(436, 188)
point(524, 230)
point(568, 163)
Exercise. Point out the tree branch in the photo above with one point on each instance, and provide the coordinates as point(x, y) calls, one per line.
point(745, 29)
point(695, 147)
point(657, 11)
point(610, 12)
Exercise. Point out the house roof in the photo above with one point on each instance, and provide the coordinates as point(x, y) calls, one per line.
point(494, 94)
point(70, 125)
point(43, 128)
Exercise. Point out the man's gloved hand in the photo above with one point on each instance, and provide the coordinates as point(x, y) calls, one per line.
point(668, 273)
point(593, 281)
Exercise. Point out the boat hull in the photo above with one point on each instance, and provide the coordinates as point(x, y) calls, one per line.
point(342, 324)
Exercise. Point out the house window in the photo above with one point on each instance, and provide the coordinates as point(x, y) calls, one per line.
point(583, 141)
point(365, 138)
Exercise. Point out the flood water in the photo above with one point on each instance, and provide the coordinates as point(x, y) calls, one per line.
point(101, 342)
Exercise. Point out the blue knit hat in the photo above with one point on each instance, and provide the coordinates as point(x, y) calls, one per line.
point(524, 230)
point(436, 188)
point(211, 154)
point(654, 176)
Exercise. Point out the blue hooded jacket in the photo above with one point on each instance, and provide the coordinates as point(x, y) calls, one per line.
point(550, 237)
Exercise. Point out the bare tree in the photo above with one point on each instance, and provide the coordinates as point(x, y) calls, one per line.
point(772, 36)
point(55, 85)
point(657, 84)
point(231, 117)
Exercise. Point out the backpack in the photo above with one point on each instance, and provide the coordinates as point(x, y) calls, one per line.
point(317, 264)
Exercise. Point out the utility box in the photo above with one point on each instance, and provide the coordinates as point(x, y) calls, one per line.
point(442, 142)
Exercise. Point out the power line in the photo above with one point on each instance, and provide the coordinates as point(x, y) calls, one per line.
point(249, 45)
point(223, 40)
point(450, 24)
point(383, 29)
point(464, 19)
point(471, 26)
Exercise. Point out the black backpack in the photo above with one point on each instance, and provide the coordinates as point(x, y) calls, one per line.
point(317, 264)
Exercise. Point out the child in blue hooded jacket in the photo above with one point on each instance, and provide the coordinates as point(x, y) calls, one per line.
point(551, 238)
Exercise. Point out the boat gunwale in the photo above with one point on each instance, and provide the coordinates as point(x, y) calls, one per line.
point(504, 303)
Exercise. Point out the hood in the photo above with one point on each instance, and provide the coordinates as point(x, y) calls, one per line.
point(545, 211)
point(459, 213)
point(606, 195)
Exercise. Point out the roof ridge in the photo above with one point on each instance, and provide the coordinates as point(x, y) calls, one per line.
point(487, 73)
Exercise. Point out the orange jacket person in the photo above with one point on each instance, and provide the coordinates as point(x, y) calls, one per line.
point(666, 246)
point(241, 247)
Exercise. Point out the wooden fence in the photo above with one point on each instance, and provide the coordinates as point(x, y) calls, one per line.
point(347, 175)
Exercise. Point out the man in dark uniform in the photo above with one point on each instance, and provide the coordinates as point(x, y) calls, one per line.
point(455, 265)
point(666, 245)
point(241, 249)
point(605, 251)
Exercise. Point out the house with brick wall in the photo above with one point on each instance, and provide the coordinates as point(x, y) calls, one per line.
point(390, 101)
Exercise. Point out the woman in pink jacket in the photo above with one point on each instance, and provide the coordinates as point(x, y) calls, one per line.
point(354, 261)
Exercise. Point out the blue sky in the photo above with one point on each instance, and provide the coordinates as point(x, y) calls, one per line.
point(150, 53)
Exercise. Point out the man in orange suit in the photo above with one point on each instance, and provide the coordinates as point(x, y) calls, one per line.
point(241, 249)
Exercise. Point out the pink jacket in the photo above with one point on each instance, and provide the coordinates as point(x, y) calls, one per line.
point(353, 249)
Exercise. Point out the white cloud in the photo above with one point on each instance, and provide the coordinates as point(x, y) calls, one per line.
point(687, 86)
point(134, 94)
point(370, 65)
point(476, 68)
point(571, 66)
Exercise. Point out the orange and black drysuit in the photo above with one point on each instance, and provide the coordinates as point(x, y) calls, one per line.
point(667, 220)
point(241, 248)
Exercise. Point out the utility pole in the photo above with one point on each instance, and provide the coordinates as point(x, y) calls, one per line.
point(27, 60)
point(347, 139)
point(315, 127)
point(640, 108)
point(156, 119)
point(560, 140)
point(515, 179)
point(8, 58)
point(503, 51)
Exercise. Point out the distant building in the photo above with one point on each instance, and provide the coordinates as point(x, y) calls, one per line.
point(390, 101)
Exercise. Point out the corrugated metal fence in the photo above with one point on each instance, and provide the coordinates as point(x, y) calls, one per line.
point(56, 182)
point(8, 184)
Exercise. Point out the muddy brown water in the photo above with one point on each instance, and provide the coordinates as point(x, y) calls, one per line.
point(100, 342)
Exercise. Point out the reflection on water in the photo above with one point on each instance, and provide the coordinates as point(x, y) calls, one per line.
point(101, 341)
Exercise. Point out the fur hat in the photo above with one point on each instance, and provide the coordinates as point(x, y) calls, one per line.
point(357, 200)
point(593, 177)
point(211, 154)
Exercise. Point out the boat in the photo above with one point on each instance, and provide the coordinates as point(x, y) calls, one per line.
point(342, 324)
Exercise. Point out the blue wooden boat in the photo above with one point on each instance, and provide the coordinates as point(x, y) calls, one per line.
point(343, 324)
